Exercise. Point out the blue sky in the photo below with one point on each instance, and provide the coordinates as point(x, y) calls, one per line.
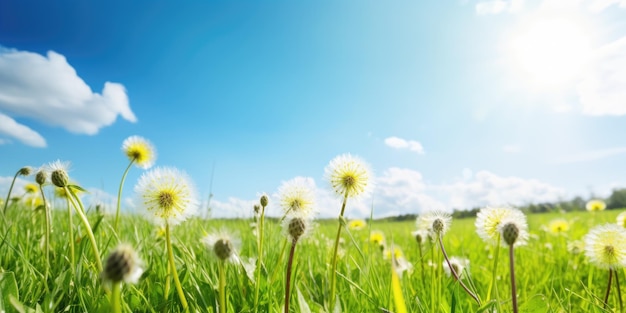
point(454, 104)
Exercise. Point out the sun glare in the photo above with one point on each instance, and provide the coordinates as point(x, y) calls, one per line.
point(551, 51)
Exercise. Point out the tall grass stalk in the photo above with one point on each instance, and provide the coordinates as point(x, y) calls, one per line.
point(48, 221)
point(70, 233)
point(259, 260)
point(454, 273)
point(333, 272)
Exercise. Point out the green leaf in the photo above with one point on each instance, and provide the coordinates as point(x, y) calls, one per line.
point(8, 289)
point(304, 307)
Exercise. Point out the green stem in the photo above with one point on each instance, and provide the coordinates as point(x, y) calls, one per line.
point(419, 244)
point(494, 270)
point(47, 236)
point(433, 279)
point(608, 289)
point(259, 262)
point(333, 274)
point(170, 254)
point(6, 202)
point(119, 196)
point(80, 210)
point(280, 259)
point(222, 287)
point(71, 234)
point(619, 292)
point(116, 298)
point(513, 286)
point(454, 273)
point(288, 278)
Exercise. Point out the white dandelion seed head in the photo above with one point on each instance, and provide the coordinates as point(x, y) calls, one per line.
point(349, 176)
point(140, 150)
point(513, 231)
point(488, 220)
point(296, 196)
point(435, 222)
point(224, 245)
point(167, 194)
point(605, 246)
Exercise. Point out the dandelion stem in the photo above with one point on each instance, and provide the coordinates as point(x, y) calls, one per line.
point(619, 292)
point(47, 238)
point(116, 298)
point(608, 289)
point(81, 213)
point(513, 285)
point(259, 262)
point(119, 195)
point(280, 258)
point(288, 278)
point(456, 276)
point(494, 270)
point(170, 254)
point(333, 274)
point(71, 234)
point(222, 287)
point(419, 244)
point(6, 202)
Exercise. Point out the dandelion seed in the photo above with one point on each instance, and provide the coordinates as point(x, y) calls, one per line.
point(123, 264)
point(459, 265)
point(349, 176)
point(140, 151)
point(489, 219)
point(558, 226)
point(595, 205)
point(167, 194)
point(605, 246)
point(436, 222)
point(356, 224)
point(296, 195)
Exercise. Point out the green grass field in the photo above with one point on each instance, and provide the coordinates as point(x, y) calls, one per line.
point(549, 278)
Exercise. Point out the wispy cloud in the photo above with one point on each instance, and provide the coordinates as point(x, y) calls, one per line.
point(512, 148)
point(48, 90)
point(498, 6)
point(399, 143)
point(592, 155)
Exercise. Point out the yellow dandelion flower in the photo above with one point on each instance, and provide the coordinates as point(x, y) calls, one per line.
point(605, 246)
point(595, 205)
point(621, 219)
point(349, 176)
point(140, 151)
point(356, 224)
point(33, 201)
point(377, 237)
point(395, 250)
point(558, 226)
point(488, 220)
point(167, 194)
point(296, 196)
point(30, 188)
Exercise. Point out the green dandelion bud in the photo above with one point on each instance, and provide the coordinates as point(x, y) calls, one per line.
point(122, 265)
point(510, 232)
point(25, 171)
point(264, 200)
point(297, 226)
point(223, 249)
point(41, 177)
point(257, 209)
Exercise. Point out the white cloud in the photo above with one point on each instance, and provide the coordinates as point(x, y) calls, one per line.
point(512, 148)
point(47, 89)
point(599, 5)
point(498, 6)
point(399, 143)
point(603, 90)
point(592, 155)
point(18, 187)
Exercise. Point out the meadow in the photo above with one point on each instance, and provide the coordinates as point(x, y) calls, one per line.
point(550, 276)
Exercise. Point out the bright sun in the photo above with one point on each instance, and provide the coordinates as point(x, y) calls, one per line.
point(552, 51)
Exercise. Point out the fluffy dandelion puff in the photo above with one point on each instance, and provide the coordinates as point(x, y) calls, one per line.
point(140, 151)
point(167, 194)
point(605, 246)
point(123, 264)
point(296, 196)
point(349, 176)
point(58, 173)
point(421, 235)
point(558, 226)
point(356, 224)
point(460, 266)
point(436, 222)
point(595, 205)
point(621, 219)
point(576, 247)
point(224, 245)
point(488, 220)
point(514, 232)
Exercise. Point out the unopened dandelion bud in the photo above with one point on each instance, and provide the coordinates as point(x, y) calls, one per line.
point(59, 178)
point(41, 177)
point(223, 249)
point(25, 171)
point(510, 232)
point(297, 226)
point(438, 226)
point(122, 265)
point(264, 200)
point(257, 209)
